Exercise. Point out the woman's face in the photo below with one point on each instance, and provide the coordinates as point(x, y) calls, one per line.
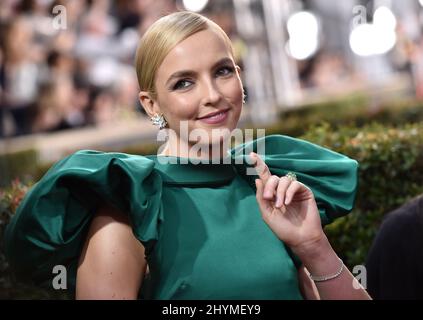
point(198, 83)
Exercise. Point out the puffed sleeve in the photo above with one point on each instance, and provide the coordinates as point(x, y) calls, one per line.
point(50, 225)
point(330, 175)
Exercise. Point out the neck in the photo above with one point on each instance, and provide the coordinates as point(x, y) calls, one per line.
point(181, 148)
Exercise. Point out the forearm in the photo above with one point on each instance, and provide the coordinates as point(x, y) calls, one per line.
point(320, 259)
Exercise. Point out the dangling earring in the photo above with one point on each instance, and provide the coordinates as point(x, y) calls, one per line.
point(159, 120)
point(244, 96)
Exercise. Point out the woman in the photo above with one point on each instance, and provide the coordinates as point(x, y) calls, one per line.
point(198, 227)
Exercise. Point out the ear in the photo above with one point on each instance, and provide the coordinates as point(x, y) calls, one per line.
point(149, 104)
point(238, 69)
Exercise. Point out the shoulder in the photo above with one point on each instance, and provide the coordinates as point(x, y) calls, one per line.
point(277, 144)
point(91, 157)
point(89, 161)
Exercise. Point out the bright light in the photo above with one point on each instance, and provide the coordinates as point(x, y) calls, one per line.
point(195, 5)
point(302, 23)
point(384, 18)
point(303, 29)
point(421, 2)
point(369, 39)
point(376, 38)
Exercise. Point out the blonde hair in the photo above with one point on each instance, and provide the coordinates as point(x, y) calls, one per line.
point(161, 37)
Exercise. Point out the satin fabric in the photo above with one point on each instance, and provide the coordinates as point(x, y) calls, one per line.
point(200, 223)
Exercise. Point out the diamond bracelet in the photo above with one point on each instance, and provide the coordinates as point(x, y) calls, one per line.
point(328, 277)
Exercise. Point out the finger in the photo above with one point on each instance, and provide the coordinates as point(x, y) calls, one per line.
point(270, 187)
point(293, 188)
point(263, 203)
point(262, 169)
point(283, 185)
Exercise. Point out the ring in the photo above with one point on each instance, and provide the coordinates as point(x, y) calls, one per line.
point(292, 176)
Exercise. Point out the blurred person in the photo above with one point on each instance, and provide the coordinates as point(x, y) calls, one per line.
point(7, 9)
point(48, 117)
point(125, 88)
point(81, 100)
point(417, 67)
point(75, 10)
point(330, 73)
point(57, 64)
point(127, 14)
point(96, 36)
point(151, 10)
point(102, 108)
point(206, 230)
point(57, 108)
point(21, 73)
point(36, 13)
point(395, 260)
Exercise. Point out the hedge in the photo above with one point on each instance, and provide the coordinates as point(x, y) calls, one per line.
point(357, 111)
point(390, 174)
point(17, 165)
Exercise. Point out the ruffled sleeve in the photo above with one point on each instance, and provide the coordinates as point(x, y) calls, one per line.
point(50, 225)
point(331, 176)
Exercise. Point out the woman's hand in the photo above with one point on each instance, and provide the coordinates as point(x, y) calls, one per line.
point(288, 207)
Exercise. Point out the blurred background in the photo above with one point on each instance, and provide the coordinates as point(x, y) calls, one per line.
point(346, 74)
point(69, 64)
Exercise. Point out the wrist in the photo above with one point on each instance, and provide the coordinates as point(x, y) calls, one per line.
point(318, 256)
point(314, 249)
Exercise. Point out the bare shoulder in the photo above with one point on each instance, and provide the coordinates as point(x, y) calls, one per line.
point(112, 263)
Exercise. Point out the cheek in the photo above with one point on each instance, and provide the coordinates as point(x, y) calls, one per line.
point(233, 92)
point(181, 107)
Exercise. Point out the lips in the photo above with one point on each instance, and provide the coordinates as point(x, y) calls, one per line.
point(213, 114)
point(215, 117)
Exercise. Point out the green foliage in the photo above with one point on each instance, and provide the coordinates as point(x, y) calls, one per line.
point(17, 165)
point(355, 111)
point(390, 174)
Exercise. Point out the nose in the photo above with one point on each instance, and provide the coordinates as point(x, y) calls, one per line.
point(210, 93)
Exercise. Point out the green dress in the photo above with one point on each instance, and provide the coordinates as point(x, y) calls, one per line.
point(200, 223)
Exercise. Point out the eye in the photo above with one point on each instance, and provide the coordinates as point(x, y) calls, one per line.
point(224, 71)
point(181, 84)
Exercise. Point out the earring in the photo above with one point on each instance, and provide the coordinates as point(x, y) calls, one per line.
point(159, 120)
point(244, 96)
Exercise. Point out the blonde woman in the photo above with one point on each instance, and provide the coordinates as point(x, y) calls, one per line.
point(206, 230)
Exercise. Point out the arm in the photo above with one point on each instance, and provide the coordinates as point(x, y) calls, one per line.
point(307, 287)
point(290, 210)
point(112, 263)
point(320, 259)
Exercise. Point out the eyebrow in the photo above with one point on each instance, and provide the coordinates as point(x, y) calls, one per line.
point(187, 73)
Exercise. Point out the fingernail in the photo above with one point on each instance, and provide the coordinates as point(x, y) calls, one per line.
point(286, 201)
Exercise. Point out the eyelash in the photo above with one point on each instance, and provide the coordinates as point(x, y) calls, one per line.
point(178, 86)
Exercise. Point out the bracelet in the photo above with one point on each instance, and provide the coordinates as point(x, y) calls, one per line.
point(328, 277)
